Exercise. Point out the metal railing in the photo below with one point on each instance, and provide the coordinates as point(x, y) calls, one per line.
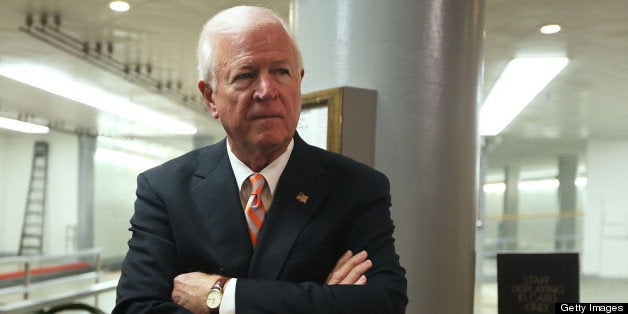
point(24, 269)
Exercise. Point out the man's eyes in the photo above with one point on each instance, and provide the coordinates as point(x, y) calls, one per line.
point(279, 72)
point(244, 76)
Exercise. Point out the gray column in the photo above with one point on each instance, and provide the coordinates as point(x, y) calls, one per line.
point(85, 225)
point(566, 224)
point(481, 219)
point(423, 58)
point(509, 227)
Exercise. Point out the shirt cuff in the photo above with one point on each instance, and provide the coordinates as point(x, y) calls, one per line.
point(227, 305)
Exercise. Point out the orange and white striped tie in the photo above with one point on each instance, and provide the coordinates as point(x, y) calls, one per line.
point(255, 210)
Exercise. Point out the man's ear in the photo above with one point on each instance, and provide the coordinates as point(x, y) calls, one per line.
point(207, 92)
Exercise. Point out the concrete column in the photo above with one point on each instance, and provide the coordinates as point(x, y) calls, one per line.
point(509, 227)
point(423, 58)
point(481, 218)
point(85, 225)
point(566, 224)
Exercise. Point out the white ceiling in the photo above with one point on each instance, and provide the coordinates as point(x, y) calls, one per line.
point(585, 101)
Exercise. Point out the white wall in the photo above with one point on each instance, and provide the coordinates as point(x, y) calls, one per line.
point(62, 190)
point(605, 249)
point(61, 202)
point(115, 175)
point(114, 193)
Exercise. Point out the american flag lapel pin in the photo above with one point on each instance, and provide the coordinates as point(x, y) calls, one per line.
point(302, 197)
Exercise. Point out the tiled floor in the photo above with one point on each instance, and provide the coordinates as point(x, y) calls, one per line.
point(595, 290)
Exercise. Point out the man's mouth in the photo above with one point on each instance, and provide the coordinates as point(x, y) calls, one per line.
point(264, 116)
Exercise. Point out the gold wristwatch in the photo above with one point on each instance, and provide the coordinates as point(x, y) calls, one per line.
point(214, 297)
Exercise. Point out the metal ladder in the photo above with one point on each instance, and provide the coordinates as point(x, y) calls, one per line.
point(31, 241)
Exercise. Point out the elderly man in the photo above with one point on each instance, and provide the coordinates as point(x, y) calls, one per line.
point(260, 222)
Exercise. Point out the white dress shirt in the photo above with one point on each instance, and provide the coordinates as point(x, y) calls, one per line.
point(271, 174)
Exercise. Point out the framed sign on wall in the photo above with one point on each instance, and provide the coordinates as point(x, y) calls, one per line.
point(341, 120)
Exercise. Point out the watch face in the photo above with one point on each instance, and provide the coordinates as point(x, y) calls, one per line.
point(213, 299)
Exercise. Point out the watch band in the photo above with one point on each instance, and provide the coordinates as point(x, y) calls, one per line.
point(218, 286)
point(220, 283)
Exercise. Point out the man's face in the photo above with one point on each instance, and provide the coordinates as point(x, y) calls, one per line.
point(258, 89)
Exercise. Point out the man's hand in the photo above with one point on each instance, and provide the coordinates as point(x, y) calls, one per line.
point(350, 269)
point(191, 289)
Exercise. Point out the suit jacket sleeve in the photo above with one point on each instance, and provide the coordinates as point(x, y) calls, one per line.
point(145, 285)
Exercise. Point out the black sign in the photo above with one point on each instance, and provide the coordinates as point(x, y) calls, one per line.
point(533, 283)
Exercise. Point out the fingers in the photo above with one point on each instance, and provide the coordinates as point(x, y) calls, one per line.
point(336, 271)
point(350, 269)
point(343, 259)
point(357, 272)
point(361, 281)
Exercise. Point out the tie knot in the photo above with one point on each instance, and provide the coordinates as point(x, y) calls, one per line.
point(257, 183)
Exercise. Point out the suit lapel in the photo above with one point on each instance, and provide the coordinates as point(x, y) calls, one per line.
point(215, 193)
point(288, 214)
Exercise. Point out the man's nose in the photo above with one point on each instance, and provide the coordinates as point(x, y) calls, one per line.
point(266, 89)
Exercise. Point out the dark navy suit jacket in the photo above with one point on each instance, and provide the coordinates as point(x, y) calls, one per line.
point(188, 217)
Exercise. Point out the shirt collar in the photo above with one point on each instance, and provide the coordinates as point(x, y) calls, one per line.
point(271, 173)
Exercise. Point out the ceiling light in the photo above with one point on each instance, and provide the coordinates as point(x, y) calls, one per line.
point(530, 185)
point(519, 83)
point(119, 6)
point(550, 29)
point(21, 126)
point(538, 185)
point(95, 97)
point(494, 187)
point(581, 181)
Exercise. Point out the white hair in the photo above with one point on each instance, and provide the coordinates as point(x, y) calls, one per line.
point(232, 21)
